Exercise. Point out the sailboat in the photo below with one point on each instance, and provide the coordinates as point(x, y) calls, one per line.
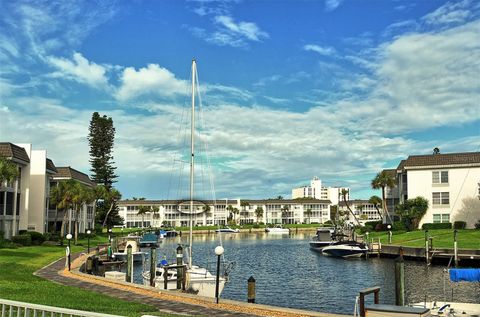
point(198, 280)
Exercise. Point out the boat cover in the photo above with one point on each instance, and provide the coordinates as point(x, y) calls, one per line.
point(467, 275)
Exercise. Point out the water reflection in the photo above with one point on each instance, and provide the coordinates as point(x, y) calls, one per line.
point(289, 274)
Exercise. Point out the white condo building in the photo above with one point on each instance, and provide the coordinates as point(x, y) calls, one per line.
point(177, 213)
point(24, 203)
point(364, 211)
point(450, 182)
point(317, 191)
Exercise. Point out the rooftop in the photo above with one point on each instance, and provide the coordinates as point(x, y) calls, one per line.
point(469, 158)
point(71, 173)
point(14, 152)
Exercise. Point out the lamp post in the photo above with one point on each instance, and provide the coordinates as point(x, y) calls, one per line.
point(69, 237)
point(389, 227)
point(110, 235)
point(218, 251)
point(88, 240)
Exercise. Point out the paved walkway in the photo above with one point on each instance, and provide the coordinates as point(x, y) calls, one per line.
point(165, 301)
point(51, 272)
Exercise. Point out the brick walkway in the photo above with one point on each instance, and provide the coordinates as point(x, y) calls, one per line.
point(51, 272)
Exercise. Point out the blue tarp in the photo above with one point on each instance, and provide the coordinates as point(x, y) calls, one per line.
point(467, 275)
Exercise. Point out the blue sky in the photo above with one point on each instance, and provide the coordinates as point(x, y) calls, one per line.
point(290, 89)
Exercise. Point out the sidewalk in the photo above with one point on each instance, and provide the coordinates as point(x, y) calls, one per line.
point(165, 301)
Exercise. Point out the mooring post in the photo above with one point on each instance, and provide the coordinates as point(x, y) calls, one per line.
point(153, 265)
point(426, 247)
point(400, 280)
point(455, 247)
point(129, 263)
point(165, 277)
point(251, 290)
point(180, 274)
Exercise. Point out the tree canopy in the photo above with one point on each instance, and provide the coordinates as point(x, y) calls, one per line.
point(412, 211)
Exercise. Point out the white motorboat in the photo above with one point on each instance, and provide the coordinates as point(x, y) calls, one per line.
point(345, 249)
point(138, 255)
point(227, 230)
point(324, 237)
point(278, 229)
point(198, 280)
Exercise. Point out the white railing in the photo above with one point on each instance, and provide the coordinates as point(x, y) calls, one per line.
point(12, 308)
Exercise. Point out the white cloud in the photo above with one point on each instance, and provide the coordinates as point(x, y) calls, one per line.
point(150, 80)
point(248, 30)
point(331, 5)
point(322, 50)
point(453, 12)
point(80, 69)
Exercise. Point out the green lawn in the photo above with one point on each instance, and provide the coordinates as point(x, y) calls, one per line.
point(17, 282)
point(442, 238)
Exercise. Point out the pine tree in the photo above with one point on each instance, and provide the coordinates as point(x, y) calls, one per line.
point(101, 139)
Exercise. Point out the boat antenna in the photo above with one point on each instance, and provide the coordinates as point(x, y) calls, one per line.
point(192, 161)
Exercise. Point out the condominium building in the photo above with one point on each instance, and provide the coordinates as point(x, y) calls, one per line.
point(450, 182)
point(362, 209)
point(273, 211)
point(24, 203)
point(86, 215)
point(317, 191)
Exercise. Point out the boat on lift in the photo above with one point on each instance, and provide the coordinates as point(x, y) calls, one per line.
point(345, 249)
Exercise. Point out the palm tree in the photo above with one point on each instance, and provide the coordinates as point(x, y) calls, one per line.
point(285, 209)
point(142, 210)
point(62, 196)
point(258, 213)
point(244, 204)
point(235, 213)
point(111, 196)
point(308, 213)
point(344, 196)
point(375, 201)
point(82, 195)
point(230, 211)
point(384, 180)
point(9, 172)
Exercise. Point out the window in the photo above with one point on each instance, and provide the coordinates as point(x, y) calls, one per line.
point(442, 198)
point(445, 218)
point(440, 177)
point(437, 218)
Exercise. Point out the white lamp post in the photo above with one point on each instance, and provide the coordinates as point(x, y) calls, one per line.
point(389, 227)
point(218, 251)
point(69, 237)
point(88, 240)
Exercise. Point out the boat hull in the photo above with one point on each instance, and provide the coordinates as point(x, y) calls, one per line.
point(345, 250)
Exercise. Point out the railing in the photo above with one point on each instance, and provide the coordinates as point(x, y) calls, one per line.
point(12, 308)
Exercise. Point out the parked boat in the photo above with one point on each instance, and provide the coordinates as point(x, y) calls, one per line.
point(227, 230)
point(138, 255)
point(197, 279)
point(345, 249)
point(149, 239)
point(278, 229)
point(324, 237)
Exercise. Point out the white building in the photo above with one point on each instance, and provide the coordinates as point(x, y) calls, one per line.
point(177, 213)
point(24, 202)
point(317, 191)
point(450, 182)
point(364, 211)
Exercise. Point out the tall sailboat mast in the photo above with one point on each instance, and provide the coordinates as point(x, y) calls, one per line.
point(192, 162)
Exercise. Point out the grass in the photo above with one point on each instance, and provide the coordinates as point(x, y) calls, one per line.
point(17, 282)
point(442, 238)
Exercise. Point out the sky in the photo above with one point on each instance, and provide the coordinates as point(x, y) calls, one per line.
point(290, 90)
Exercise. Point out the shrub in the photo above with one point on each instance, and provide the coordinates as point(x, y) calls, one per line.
point(399, 226)
point(7, 244)
point(328, 222)
point(381, 227)
point(256, 226)
point(37, 237)
point(442, 225)
point(22, 231)
point(2, 235)
point(477, 225)
point(372, 224)
point(459, 225)
point(51, 236)
point(23, 239)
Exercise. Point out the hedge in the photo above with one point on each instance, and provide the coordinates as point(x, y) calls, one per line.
point(23, 239)
point(441, 225)
point(459, 225)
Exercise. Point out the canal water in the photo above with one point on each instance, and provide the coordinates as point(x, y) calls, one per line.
point(289, 274)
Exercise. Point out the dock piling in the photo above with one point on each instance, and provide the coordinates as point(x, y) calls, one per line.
point(400, 280)
point(455, 247)
point(129, 275)
point(180, 276)
point(251, 290)
point(153, 265)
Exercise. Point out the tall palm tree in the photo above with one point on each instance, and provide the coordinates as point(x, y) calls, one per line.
point(8, 171)
point(111, 196)
point(244, 204)
point(344, 196)
point(308, 213)
point(142, 211)
point(259, 212)
point(82, 195)
point(230, 211)
point(62, 196)
point(376, 201)
point(285, 209)
point(382, 181)
point(235, 213)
